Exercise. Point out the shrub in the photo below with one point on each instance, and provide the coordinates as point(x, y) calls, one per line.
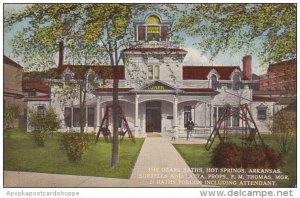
point(43, 122)
point(39, 137)
point(253, 157)
point(75, 144)
point(10, 114)
point(226, 155)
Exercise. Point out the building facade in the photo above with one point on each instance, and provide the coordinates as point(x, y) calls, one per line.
point(280, 76)
point(158, 93)
point(12, 93)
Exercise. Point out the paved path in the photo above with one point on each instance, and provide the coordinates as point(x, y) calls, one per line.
point(158, 165)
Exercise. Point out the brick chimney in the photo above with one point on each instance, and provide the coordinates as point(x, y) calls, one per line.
point(247, 68)
point(61, 54)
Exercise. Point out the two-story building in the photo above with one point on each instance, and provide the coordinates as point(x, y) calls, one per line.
point(158, 93)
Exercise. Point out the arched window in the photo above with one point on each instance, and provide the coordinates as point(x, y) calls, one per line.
point(153, 29)
point(214, 81)
point(91, 78)
point(153, 19)
point(68, 77)
point(236, 82)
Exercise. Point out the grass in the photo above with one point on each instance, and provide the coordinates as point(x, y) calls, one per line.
point(21, 154)
point(197, 156)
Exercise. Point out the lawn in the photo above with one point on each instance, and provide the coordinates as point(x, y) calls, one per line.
point(21, 154)
point(197, 156)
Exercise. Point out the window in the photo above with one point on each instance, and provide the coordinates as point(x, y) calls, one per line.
point(91, 117)
point(215, 116)
point(156, 72)
point(41, 109)
point(76, 117)
point(221, 112)
point(153, 30)
point(164, 33)
point(262, 113)
point(68, 114)
point(153, 33)
point(214, 81)
point(68, 77)
point(31, 93)
point(187, 115)
point(141, 33)
point(236, 82)
point(150, 72)
point(235, 117)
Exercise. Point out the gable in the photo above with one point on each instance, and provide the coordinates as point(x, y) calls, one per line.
point(158, 85)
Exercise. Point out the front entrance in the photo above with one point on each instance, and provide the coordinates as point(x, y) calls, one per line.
point(153, 116)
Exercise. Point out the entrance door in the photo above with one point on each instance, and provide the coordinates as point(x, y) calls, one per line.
point(153, 116)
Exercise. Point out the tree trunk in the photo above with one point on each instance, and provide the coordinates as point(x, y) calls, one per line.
point(81, 111)
point(115, 142)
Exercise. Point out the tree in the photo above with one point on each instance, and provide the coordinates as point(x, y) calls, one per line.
point(105, 25)
point(110, 23)
point(284, 128)
point(43, 122)
point(266, 29)
point(11, 113)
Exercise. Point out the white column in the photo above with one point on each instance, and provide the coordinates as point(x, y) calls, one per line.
point(98, 113)
point(175, 117)
point(136, 115)
point(205, 114)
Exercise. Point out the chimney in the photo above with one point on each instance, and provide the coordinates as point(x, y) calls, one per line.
point(247, 68)
point(61, 54)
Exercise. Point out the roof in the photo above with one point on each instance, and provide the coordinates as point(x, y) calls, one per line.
point(282, 65)
point(38, 98)
point(103, 71)
point(111, 89)
point(8, 61)
point(35, 85)
point(41, 96)
point(201, 72)
point(198, 90)
point(260, 98)
point(160, 49)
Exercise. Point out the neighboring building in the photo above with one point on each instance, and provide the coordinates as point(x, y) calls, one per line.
point(279, 83)
point(37, 95)
point(12, 94)
point(157, 92)
point(280, 76)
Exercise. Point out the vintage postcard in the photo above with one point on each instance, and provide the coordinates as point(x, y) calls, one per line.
point(150, 95)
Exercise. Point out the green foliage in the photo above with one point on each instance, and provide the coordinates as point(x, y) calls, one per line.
point(229, 155)
point(11, 113)
point(284, 129)
point(75, 144)
point(266, 29)
point(43, 122)
point(21, 155)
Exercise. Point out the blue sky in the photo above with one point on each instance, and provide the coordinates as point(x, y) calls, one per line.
point(194, 56)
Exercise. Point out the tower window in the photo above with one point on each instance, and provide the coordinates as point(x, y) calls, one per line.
point(141, 33)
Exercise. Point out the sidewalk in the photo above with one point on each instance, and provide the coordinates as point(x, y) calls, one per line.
point(158, 165)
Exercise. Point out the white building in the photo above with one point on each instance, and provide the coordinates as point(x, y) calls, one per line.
point(158, 93)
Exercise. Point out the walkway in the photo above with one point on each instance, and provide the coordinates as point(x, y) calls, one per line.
point(158, 165)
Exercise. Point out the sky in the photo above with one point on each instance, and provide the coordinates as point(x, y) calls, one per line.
point(193, 58)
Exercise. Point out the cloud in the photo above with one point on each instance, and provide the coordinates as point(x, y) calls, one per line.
point(195, 57)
